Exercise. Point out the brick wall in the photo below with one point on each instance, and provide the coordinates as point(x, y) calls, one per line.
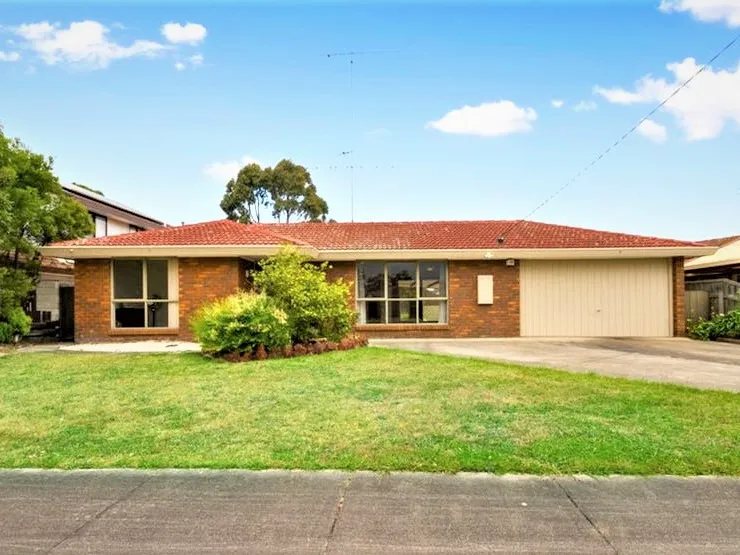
point(92, 300)
point(200, 280)
point(466, 318)
point(203, 280)
point(679, 298)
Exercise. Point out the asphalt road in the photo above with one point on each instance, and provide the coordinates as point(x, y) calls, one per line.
point(332, 512)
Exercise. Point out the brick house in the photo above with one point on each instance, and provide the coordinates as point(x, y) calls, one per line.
point(409, 279)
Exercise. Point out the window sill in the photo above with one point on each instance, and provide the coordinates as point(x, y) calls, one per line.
point(401, 327)
point(143, 331)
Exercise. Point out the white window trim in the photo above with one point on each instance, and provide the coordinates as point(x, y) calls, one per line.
point(386, 299)
point(173, 302)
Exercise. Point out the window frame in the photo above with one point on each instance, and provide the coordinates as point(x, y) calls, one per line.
point(386, 300)
point(172, 301)
point(95, 218)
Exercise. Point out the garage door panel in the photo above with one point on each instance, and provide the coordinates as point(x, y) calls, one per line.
point(599, 298)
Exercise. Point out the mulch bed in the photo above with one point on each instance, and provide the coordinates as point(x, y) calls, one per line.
point(297, 350)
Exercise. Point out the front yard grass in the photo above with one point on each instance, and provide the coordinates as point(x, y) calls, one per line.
point(372, 409)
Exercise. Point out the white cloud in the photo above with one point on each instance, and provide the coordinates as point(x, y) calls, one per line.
point(378, 132)
point(585, 106)
point(490, 119)
point(653, 131)
point(706, 10)
point(223, 171)
point(9, 56)
point(190, 33)
point(557, 103)
point(701, 109)
point(618, 96)
point(195, 60)
point(83, 44)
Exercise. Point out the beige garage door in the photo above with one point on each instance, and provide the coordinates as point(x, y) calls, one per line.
point(600, 298)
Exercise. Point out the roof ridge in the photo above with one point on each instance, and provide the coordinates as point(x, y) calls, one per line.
point(261, 227)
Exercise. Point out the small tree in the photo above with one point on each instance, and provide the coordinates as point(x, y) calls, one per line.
point(316, 307)
point(34, 211)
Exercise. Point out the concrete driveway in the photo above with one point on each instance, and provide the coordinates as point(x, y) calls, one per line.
point(683, 361)
point(117, 512)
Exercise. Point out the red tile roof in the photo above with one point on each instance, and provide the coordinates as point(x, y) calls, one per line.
point(446, 235)
point(460, 235)
point(220, 232)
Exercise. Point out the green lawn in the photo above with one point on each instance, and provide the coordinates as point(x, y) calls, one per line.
point(364, 409)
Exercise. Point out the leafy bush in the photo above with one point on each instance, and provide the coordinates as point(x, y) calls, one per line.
point(240, 323)
point(316, 308)
point(14, 322)
point(722, 325)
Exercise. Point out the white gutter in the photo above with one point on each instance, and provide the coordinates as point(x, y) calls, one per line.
point(257, 251)
point(520, 254)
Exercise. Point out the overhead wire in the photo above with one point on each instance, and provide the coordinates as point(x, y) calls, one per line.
point(515, 224)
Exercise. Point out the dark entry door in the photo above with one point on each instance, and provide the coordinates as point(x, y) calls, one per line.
point(66, 313)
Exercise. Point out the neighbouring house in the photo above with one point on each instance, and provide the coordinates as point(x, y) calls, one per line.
point(50, 304)
point(713, 281)
point(409, 279)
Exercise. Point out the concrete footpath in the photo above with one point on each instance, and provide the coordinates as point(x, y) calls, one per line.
point(335, 512)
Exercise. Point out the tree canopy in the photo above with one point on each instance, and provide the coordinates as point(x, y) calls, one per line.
point(287, 190)
point(34, 211)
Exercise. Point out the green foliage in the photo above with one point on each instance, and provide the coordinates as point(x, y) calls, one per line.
point(14, 323)
point(246, 194)
point(287, 189)
point(316, 308)
point(34, 211)
point(240, 323)
point(722, 325)
point(15, 285)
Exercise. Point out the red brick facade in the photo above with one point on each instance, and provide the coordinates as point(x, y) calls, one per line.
point(200, 280)
point(466, 318)
point(205, 279)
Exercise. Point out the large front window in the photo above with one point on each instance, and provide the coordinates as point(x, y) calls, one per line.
point(402, 292)
point(144, 294)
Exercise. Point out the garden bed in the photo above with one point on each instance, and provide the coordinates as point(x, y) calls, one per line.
point(297, 350)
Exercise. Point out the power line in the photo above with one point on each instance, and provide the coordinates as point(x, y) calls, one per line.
point(616, 143)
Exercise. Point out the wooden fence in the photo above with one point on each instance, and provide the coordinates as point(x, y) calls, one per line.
point(706, 298)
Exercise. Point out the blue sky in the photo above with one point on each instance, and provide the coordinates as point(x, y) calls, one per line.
point(118, 115)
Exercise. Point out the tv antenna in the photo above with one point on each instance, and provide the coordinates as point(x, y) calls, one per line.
point(349, 153)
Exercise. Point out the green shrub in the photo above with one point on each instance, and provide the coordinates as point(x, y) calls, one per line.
point(316, 308)
point(14, 323)
point(722, 325)
point(240, 323)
